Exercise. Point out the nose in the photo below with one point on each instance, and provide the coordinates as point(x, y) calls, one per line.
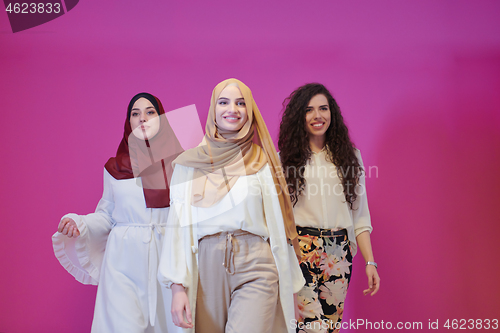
point(142, 117)
point(231, 107)
point(317, 114)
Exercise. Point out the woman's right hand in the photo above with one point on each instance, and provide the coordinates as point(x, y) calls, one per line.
point(68, 227)
point(180, 304)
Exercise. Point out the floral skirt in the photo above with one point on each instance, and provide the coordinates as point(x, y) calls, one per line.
point(326, 264)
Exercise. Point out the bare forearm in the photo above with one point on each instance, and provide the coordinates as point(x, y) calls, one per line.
point(365, 246)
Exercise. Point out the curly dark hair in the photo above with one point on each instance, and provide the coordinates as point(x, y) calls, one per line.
point(294, 146)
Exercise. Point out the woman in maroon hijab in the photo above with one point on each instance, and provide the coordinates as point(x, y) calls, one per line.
point(118, 246)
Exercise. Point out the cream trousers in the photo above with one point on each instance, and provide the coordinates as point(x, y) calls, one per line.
point(238, 284)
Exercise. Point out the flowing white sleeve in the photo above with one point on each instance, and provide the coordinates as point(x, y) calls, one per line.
point(360, 212)
point(82, 256)
point(176, 257)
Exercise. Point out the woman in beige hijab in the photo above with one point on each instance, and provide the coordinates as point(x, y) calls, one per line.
point(229, 255)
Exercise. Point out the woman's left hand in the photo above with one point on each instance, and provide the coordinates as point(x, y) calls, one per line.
point(373, 280)
point(365, 247)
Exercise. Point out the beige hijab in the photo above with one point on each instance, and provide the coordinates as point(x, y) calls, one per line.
point(224, 156)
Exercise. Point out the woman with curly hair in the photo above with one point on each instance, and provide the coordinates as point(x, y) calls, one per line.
point(325, 177)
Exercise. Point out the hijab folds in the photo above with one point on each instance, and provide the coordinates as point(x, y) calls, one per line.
point(148, 159)
point(224, 156)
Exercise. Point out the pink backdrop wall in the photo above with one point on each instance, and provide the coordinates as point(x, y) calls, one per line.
point(418, 83)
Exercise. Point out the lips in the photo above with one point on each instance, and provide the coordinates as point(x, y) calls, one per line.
point(317, 125)
point(232, 119)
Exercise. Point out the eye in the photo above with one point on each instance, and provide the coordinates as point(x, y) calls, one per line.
point(222, 103)
point(152, 112)
point(308, 110)
point(134, 114)
point(241, 103)
point(324, 108)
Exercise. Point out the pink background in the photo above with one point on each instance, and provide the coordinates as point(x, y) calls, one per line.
point(418, 82)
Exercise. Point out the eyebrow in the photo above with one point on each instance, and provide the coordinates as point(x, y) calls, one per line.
point(137, 109)
point(310, 107)
point(241, 98)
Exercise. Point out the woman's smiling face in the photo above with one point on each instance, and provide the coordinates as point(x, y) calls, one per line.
point(318, 116)
point(230, 110)
point(144, 119)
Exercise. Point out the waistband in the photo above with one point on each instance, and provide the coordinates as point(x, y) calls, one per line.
point(229, 245)
point(235, 233)
point(143, 225)
point(321, 232)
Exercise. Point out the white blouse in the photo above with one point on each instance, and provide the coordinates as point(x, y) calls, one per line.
point(241, 208)
point(322, 204)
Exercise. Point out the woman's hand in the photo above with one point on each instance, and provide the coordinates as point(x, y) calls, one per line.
point(365, 246)
point(180, 304)
point(68, 227)
point(373, 280)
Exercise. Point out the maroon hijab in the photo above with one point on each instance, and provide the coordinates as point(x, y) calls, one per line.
point(148, 159)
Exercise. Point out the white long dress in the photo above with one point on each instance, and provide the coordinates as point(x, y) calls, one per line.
point(118, 249)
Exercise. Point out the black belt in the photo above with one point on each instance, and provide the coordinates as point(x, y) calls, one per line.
point(321, 232)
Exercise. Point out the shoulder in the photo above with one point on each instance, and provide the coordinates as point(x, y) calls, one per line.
point(182, 169)
point(181, 174)
point(265, 170)
point(179, 183)
point(357, 152)
point(107, 175)
point(265, 175)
